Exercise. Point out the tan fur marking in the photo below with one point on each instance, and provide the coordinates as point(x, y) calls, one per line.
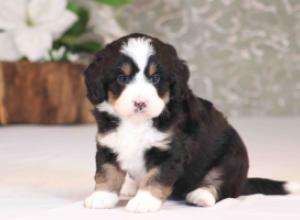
point(152, 69)
point(111, 98)
point(213, 181)
point(166, 97)
point(110, 178)
point(156, 189)
point(213, 177)
point(126, 68)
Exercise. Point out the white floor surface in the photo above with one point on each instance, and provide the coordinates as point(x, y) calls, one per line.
point(47, 171)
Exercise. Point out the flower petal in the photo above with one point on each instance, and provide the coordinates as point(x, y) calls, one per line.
point(41, 11)
point(33, 43)
point(8, 49)
point(66, 20)
point(12, 14)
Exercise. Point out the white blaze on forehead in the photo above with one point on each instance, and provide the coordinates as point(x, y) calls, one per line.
point(140, 88)
point(139, 49)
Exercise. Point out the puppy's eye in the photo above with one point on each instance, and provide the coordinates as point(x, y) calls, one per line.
point(123, 79)
point(154, 79)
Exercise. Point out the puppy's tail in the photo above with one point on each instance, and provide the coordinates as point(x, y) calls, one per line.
point(270, 187)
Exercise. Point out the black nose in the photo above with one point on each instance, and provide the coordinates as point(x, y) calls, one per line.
point(139, 105)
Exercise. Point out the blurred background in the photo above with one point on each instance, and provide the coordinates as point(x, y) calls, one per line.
point(244, 55)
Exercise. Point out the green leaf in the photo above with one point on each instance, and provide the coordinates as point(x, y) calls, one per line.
point(69, 40)
point(87, 47)
point(73, 44)
point(80, 25)
point(114, 2)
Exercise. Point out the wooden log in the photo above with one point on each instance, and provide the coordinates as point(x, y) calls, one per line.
point(43, 93)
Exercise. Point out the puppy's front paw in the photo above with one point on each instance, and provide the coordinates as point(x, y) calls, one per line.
point(101, 200)
point(144, 202)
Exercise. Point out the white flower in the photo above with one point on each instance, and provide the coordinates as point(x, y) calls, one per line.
point(73, 57)
point(29, 27)
point(55, 54)
point(59, 53)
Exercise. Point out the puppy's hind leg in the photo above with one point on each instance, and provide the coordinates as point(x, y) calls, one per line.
point(208, 192)
point(227, 178)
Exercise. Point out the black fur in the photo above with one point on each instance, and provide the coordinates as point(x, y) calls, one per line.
point(104, 155)
point(264, 186)
point(105, 121)
point(203, 139)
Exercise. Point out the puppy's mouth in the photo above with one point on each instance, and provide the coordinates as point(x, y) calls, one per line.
point(139, 111)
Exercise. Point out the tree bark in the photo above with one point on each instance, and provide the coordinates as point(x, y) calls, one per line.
point(43, 93)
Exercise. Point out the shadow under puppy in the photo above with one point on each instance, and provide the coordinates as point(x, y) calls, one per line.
point(156, 139)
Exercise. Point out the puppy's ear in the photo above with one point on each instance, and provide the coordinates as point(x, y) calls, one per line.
point(94, 80)
point(94, 85)
point(175, 66)
point(97, 72)
point(182, 75)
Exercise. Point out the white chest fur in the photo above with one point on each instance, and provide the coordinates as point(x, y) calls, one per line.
point(130, 141)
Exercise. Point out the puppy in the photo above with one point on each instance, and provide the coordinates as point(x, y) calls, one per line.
point(156, 138)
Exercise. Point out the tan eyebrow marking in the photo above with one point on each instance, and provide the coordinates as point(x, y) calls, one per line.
point(126, 68)
point(152, 69)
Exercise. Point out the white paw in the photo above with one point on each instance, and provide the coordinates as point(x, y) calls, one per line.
point(144, 202)
point(129, 187)
point(201, 197)
point(101, 200)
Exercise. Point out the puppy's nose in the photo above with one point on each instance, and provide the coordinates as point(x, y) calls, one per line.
point(140, 105)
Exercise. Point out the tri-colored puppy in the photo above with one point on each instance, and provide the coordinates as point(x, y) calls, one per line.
point(156, 138)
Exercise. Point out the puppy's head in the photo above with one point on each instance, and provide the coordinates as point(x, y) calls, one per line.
point(136, 76)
